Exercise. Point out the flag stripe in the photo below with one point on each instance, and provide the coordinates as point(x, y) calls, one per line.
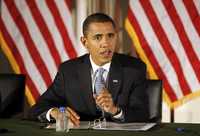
point(156, 48)
point(67, 22)
point(152, 58)
point(166, 45)
point(15, 66)
point(61, 27)
point(194, 16)
point(184, 39)
point(69, 4)
point(57, 37)
point(176, 44)
point(166, 36)
point(44, 30)
point(197, 5)
point(20, 45)
point(28, 40)
point(37, 38)
point(41, 35)
point(188, 25)
point(18, 57)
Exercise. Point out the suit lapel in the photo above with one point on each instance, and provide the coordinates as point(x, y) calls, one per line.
point(85, 84)
point(115, 78)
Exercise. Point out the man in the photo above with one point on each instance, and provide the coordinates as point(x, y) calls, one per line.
point(123, 97)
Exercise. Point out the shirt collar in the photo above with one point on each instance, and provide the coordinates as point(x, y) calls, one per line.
point(95, 66)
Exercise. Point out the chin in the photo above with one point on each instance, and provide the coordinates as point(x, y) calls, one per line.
point(106, 61)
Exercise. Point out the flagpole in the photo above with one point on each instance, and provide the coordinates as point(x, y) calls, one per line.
point(172, 115)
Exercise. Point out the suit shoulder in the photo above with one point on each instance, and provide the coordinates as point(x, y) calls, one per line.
point(72, 62)
point(129, 61)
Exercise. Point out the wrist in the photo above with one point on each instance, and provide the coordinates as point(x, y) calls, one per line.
point(117, 110)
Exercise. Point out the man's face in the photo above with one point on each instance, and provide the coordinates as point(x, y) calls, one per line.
point(100, 41)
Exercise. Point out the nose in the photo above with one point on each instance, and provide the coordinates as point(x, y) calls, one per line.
point(105, 42)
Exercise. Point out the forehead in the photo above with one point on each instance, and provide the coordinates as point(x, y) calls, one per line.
point(101, 28)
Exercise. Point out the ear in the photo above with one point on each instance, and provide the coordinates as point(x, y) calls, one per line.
point(83, 41)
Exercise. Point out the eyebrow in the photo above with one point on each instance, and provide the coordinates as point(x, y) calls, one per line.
point(97, 35)
point(100, 34)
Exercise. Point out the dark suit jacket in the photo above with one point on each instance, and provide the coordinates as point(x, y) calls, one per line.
point(72, 87)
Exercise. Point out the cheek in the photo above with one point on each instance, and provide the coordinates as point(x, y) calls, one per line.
point(95, 51)
point(92, 50)
point(113, 42)
point(113, 45)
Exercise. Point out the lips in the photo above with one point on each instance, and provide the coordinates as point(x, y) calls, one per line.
point(107, 53)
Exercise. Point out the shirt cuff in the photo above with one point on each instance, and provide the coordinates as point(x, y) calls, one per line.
point(119, 115)
point(48, 114)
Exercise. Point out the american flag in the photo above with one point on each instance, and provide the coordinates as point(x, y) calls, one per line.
point(36, 36)
point(166, 35)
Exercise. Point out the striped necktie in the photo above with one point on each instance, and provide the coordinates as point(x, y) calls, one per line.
point(99, 82)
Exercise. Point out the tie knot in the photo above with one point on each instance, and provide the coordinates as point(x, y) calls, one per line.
point(100, 71)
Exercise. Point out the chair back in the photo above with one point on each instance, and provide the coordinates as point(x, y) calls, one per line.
point(154, 92)
point(11, 94)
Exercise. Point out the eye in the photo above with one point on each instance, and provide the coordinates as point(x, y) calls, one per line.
point(111, 35)
point(97, 37)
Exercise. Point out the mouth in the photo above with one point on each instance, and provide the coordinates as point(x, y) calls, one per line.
point(106, 53)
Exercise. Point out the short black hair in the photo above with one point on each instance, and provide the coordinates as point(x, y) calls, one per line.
point(97, 18)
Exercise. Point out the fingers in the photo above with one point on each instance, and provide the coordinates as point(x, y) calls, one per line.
point(73, 116)
point(104, 96)
point(54, 112)
point(104, 100)
point(104, 93)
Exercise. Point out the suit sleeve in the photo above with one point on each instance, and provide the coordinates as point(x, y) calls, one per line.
point(53, 97)
point(137, 108)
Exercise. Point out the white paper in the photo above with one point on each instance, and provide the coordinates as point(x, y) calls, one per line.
point(126, 126)
point(112, 126)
